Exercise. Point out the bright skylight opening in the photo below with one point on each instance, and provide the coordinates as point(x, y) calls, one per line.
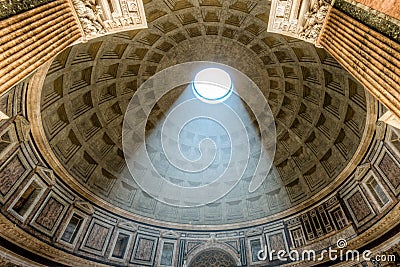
point(212, 85)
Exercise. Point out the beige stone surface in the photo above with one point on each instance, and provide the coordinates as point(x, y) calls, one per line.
point(30, 39)
point(389, 7)
point(368, 55)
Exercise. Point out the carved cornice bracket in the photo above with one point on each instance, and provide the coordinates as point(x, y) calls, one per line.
point(102, 17)
point(301, 19)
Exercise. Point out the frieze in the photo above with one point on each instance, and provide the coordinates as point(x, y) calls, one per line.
point(100, 17)
point(314, 19)
point(302, 19)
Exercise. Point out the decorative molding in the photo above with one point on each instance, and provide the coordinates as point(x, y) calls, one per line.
point(122, 250)
point(84, 206)
point(144, 250)
point(23, 128)
point(97, 237)
point(215, 246)
point(391, 119)
point(170, 234)
point(9, 258)
point(37, 184)
point(374, 197)
point(128, 225)
point(19, 237)
point(13, 171)
point(362, 170)
point(302, 19)
point(47, 174)
point(167, 254)
point(254, 231)
point(380, 130)
point(388, 167)
point(50, 214)
point(3, 116)
point(101, 17)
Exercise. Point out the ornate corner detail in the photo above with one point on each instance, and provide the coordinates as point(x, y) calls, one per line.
point(362, 170)
point(313, 21)
point(302, 19)
point(3, 116)
point(128, 226)
point(254, 231)
point(101, 17)
point(46, 174)
point(170, 234)
point(390, 119)
point(84, 206)
point(212, 239)
point(380, 130)
point(23, 128)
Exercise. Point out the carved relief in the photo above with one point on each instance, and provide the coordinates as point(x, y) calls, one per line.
point(89, 15)
point(99, 17)
point(302, 19)
point(8, 260)
point(313, 22)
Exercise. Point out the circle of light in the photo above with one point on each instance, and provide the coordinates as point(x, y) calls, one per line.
point(134, 134)
point(212, 85)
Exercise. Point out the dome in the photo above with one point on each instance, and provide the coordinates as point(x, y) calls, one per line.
point(199, 133)
point(318, 108)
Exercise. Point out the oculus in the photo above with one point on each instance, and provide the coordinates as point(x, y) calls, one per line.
point(212, 85)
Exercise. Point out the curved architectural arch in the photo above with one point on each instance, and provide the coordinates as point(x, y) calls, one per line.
point(208, 254)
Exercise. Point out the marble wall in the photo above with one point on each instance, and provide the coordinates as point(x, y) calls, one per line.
point(388, 7)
